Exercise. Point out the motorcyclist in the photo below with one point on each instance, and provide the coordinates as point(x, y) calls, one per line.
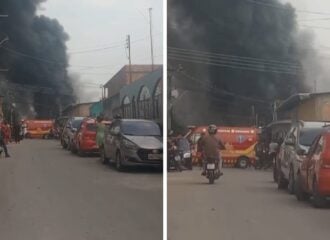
point(211, 146)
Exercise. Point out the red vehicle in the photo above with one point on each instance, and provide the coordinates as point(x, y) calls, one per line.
point(239, 142)
point(313, 177)
point(85, 138)
point(38, 128)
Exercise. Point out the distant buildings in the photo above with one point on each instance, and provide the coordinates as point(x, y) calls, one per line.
point(81, 109)
point(135, 95)
point(131, 94)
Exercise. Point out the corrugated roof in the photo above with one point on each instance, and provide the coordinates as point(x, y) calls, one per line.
point(297, 99)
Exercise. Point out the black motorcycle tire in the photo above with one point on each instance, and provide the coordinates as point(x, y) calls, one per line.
point(211, 177)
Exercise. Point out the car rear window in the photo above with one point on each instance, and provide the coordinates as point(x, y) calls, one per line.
point(76, 123)
point(308, 135)
point(140, 128)
point(91, 127)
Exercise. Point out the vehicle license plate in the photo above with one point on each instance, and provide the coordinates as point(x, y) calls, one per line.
point(154, 156)
point(210, 166)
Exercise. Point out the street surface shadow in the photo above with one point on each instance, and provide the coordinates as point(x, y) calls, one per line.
point(138, 169)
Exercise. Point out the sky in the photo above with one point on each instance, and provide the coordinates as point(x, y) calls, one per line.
point(316, 21)
point(98, 31)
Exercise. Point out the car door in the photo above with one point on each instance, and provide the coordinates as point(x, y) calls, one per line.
point(112, 139)
point(107, 139)
point(80, 130)
point(305, 164)
point(288, 150)
point(313, 161)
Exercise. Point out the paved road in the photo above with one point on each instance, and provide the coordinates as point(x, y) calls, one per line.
point(48, 193)
point(243, 205)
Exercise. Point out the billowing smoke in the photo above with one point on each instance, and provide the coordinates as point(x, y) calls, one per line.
point(253, 54)
point(35, 55)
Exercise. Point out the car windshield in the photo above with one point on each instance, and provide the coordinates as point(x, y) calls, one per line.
point(183, 144)
point(91, 127)
point(140, 128)
point(308, 135)
point(76, 123)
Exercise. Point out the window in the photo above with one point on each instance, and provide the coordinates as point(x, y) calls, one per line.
point(319, 147)
point(157, 103)
point(144, 107)
point(126, 108)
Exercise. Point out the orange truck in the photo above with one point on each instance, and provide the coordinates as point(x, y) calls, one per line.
point(38, 128)
point(239, 141)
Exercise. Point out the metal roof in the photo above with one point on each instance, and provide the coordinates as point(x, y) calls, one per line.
point(297, 99)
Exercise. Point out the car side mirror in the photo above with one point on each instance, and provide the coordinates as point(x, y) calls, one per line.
point(301, 152)
point(289, 142)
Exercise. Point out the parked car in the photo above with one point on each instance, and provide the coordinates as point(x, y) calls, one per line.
point(313, 177)
point(70, 129)
point(132, 142)
point(84, 140)
point(295, 147)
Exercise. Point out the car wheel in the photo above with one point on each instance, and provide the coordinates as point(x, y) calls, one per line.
point(81, 153)
point(243, 162)
point(318, 200)
point(275, 177)
point(119, 165)
point(69, 145)
point(189, 164)
point(64, 145)
point(281, 182)
point(103, 157)
point(301, 195)
point(291, 183)
point(73, 149)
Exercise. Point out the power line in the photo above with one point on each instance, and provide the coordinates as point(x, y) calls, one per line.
point(268, 62)
point(286, 9)
point(235, 63)
point(313, 19)
point(221, 91)
point(315, 27)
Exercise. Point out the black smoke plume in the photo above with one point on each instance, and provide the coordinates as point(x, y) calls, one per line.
point(256, 29)
point(37, 80)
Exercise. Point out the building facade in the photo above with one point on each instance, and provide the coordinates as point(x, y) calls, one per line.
point(125, 77)
point(143, 99)
point(78, 110)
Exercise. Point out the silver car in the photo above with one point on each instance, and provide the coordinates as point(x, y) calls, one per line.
point(296, 144)
point(132, 142)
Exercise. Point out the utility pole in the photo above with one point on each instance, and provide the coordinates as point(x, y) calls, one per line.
point(129, 57)
point(151, 40)
point(315, 86)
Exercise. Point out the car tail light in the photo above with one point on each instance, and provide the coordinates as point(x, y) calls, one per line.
point(88, 136)
point(325, 159)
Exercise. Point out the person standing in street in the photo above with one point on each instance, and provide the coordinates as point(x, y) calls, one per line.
point(2, 140)
point(100, 128)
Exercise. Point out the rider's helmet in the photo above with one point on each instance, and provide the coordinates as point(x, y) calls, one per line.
point(212, 129)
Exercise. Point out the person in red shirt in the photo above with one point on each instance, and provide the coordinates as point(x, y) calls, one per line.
point(2, 139)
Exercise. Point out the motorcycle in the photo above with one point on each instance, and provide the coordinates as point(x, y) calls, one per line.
point(174, 160)
point(212, 171)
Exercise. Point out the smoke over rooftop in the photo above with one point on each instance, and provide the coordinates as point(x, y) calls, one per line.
point(249, 53)
point(36, 58)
